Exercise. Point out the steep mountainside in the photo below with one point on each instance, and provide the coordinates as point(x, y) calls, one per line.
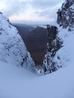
point(12, 48)
point(60, 42)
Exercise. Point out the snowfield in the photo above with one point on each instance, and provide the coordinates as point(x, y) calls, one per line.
point(17, 83)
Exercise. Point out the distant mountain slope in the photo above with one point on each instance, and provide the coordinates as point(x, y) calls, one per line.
point(12, 48)
point(37, 43)
point(35, 38)
point(39, 37)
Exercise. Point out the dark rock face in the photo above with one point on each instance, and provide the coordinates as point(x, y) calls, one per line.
point(37, 44)
point(53, 45)
point(35, 38)
point(52, 34)
point(65, 16)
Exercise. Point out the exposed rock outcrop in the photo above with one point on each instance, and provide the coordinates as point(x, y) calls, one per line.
point(66, 15)
point(53, 45)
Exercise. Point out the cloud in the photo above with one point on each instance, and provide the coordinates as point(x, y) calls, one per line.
point(48, 11)
point(30, 8)
point(13, 7)
point(46, 8)
point(44, 3)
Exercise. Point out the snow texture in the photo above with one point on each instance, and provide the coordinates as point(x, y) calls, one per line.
point(17, 83)
point(66, 54)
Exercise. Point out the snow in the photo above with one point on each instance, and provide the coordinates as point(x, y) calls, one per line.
point(17, 83)
point(12, 47)
point(72, 7)
point(67, 51)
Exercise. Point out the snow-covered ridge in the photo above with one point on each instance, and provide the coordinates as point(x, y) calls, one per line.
point(12, 47)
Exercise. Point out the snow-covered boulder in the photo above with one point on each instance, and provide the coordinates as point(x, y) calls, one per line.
point(12, 47)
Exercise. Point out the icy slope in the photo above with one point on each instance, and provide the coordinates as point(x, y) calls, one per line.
point(12, 48)
point(17, 83)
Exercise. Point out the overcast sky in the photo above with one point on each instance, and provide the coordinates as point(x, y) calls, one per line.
point(30, 10)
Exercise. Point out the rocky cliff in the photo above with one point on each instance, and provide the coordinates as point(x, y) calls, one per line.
point(65, 15)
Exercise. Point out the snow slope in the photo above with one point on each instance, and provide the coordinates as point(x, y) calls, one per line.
point(17, 83)
point(12, 47)
point(66, 53)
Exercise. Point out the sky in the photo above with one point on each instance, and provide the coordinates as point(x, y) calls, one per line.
point(30, 10)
